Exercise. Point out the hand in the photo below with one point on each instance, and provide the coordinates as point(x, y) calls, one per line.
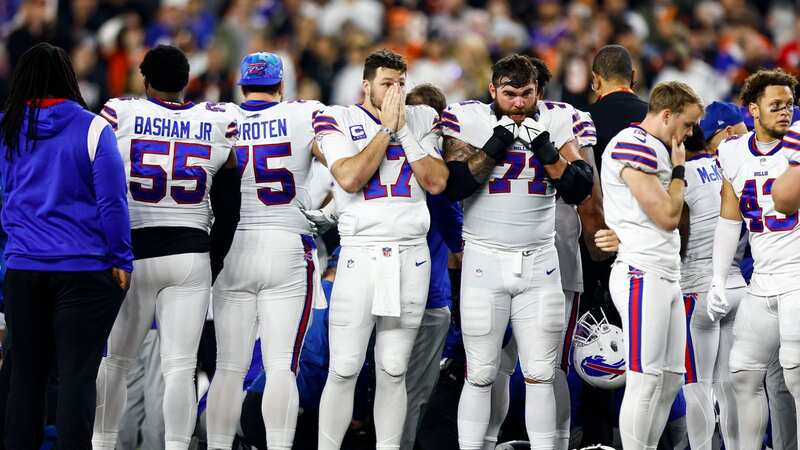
point(390, 108)
point(606, 240)
point(529, 130)
point(121, 277)
point(401, 106)
point(718, 306)
point(678, 153)
point(508, 124)
point(320, 220)
point(503, 135)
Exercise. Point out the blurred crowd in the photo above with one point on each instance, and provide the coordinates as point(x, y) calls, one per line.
point(712, 45)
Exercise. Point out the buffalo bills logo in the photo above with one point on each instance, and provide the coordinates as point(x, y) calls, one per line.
point(256, 69)
point(596, 366)
point(635, 273)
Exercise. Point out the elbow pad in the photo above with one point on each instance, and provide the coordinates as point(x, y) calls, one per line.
point(460, 184)
point(575, 184)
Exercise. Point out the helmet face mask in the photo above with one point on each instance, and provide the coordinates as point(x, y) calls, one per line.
point(599, 351)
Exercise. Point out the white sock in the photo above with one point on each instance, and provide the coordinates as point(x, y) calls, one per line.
point(700, 419)
point(751, 397)
point(335, 410)
point(500, 402)
point(540, 415)
point(473, 415)
point(563, 410)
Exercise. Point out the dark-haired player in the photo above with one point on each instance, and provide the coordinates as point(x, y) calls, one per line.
point(766, 321)
point(172, 152)
point(504, 163)
point(383, 156)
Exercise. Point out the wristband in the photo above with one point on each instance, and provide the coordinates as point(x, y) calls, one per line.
point(679, 173)
point(385, 130)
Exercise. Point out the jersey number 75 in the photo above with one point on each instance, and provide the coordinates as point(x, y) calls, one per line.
point(265, 174)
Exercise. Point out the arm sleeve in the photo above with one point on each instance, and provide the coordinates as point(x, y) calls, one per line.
point(448, 218)
point(726, 242)
point(108, 173)
point(109, 112)
point(583, 129)
point(226, 201)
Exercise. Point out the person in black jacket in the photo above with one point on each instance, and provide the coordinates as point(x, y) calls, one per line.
point(617, 106)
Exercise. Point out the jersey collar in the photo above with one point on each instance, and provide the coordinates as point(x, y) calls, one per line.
point(257, 105)
point(171, 105)
point(699, 156)
point(753, 146)
point(369, 114)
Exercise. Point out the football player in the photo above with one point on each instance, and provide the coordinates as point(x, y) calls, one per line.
point(766, 321)
point(643, 197)
point(383, 156)
point(268, 281)
point(504, 164)
point(173, 151)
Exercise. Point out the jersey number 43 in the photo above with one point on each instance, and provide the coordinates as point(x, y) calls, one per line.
point(748, 205)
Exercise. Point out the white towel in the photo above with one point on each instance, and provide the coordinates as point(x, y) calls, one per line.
point(386, 279)
point(319, 300)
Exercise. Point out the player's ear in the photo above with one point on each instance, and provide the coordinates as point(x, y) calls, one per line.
point(753, 108)
point(492, 91)
point(666, 114)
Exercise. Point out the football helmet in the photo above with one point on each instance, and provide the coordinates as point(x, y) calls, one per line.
point(599, 351)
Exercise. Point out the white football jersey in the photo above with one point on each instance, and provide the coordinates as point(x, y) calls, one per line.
point(391, 207)
point(643, 244)
point(171, 152)
point(791, 144)
point(702, 196)
point(515, 208)
point(751, 168)
point(273, 153)
point(568, 223)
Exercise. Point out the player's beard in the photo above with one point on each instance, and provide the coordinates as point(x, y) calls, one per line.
point(374, 100)
point(773, 132)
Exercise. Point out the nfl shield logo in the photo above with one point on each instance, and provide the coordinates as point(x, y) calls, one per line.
point(387, 252)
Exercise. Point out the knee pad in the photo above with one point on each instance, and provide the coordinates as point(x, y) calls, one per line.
point(345, 366)
point(393, 366)
point(482, 375)
point(539, 372)
point(175, 364)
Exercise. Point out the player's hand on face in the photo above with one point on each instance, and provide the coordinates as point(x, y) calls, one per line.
point(401, 108)
point(121, 277)
point(606, 240)
point(389, 109)
point(718, 306)
point(678, 153)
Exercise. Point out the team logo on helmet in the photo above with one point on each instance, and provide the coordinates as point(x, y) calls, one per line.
point(256, 69)
point(596, 366)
